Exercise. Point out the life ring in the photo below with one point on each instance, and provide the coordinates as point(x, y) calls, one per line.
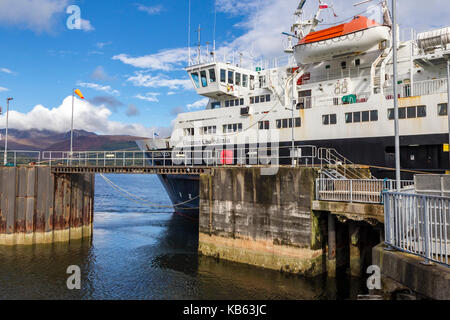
point(344, 88)
point(337, 88)
point(230, 88)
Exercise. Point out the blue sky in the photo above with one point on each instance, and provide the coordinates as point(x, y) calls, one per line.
point(128, 58)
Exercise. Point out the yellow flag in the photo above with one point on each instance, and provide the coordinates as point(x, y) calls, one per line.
point(78, 92)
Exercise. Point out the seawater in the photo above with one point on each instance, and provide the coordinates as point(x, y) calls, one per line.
point(139, 251)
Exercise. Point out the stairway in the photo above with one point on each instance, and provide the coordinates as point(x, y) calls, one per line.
point(335, 166)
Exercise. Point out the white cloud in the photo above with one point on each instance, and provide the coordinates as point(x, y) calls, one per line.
point(5, 70)
point(198, 104)
point(165, 60)
point(149, 96)
point(35, 15)
point(99, 87)
point(86, 25)
point(3, 89)
point(87, 117)
point(141, 79)
point(151, 10)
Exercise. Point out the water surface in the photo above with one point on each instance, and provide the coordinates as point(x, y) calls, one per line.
point(142, 252)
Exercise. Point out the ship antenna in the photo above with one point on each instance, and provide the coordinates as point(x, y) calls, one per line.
point(189, 35)
point(199, 49)
point(214, 33)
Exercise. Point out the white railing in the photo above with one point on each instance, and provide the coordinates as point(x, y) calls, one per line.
point(418, 224)
point(339, 74)
point(355, 190)
point(420, 88)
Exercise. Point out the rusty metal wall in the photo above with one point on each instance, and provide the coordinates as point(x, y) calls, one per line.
point(34, 202)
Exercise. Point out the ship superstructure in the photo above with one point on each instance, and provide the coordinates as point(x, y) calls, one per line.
point(337, 93)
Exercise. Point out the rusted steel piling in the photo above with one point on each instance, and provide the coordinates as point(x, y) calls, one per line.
point(38, 206)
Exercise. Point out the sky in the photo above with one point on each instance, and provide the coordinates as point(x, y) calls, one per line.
point(128, 57)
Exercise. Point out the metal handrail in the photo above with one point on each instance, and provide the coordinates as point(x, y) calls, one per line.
point(418, 224)
point(356, 190)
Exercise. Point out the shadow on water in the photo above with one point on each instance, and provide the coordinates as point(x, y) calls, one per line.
point(143, 254)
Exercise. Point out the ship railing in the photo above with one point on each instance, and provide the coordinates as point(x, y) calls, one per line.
point(20, 157)
point(338, 74)
point(326, 100)
point(418, 224)
point(420, 88)
point(356, 190)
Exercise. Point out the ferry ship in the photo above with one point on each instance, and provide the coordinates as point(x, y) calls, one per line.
point(337, 92)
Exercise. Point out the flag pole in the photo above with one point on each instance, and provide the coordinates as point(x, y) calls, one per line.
point(71, 126)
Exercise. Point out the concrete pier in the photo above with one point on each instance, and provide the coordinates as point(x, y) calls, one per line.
point(37, 206)
point(405, 272)
point(266, 221)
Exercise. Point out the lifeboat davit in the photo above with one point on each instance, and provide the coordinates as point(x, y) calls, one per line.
point(358, 35)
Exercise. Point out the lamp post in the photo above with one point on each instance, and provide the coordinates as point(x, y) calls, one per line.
point(396, 124)
point(5, 158)
point(292, 120)
point(448, 101)
point(71, 126)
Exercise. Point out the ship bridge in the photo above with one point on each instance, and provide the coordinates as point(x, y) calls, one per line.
point(218, 80)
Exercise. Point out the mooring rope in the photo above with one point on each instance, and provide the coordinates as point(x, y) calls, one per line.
point(144, 202)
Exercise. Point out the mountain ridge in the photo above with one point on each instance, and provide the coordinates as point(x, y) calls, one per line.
point(47, 140)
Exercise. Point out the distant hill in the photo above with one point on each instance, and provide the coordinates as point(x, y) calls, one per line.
point(45, 140)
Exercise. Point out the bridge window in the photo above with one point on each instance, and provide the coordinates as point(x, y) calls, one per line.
point(264, 125)
point(238, 79)
point(252, 82)
point(231, 103)
point(262, 99)
point(203, 77)
point(257, 99)
point(223, 76)
point(189, 131)
point(195, 78)
point(442, 109)
point(227, 104)
point(267, 97)
point(215, 105)
point(231, 77)
point(212, 75)
point(244, 80)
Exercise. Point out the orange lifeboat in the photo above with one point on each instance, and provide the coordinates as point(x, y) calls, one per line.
point(358, 35)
